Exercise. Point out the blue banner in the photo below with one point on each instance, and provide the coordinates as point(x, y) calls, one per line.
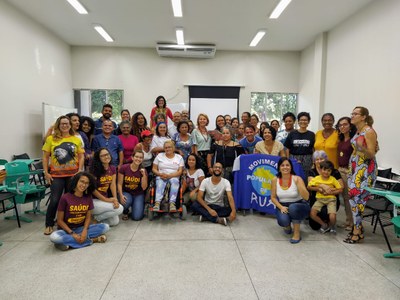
point(253, 174)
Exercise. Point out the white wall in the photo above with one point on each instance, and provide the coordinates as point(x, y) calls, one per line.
point(143, 75)
point(363, 63)
point(35, 68)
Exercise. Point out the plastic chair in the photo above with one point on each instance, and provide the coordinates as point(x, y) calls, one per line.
point(6, 197)
point(18, 182)
point(396, 223)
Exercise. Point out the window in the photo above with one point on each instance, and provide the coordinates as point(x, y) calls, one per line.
point(270, 106)
point(90, 102)
point(101, 97)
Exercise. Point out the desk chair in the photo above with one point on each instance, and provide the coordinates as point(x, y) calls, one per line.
point(6, 197)
point(380, 207)
point(396, 223)
point(18, 182)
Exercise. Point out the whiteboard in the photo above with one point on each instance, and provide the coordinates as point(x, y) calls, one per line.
point(213, 107)
point(51, 114)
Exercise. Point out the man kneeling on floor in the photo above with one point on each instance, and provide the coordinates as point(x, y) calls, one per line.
point(210, 198)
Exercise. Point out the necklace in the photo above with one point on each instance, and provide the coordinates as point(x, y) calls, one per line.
point(289, 184)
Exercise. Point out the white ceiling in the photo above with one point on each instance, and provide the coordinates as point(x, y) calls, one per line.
point(229, 24)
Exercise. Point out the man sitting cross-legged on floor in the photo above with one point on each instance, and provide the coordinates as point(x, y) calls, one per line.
point(210, 198)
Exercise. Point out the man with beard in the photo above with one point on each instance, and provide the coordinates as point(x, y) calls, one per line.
point(210, 202)
point(107, 114)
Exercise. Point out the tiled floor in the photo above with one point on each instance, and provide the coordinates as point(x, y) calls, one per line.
point(173, 259)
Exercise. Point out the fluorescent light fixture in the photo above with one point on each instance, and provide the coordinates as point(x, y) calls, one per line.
point(257, 38)
point(179, 36)
point(279, 9)
point(78, 7)
point(177, 8)
point(103, 33)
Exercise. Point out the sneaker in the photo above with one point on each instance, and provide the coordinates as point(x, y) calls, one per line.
point(324, 229)
point(172, 207)
point(222, 221)
point(61, 247)
point(333, 230)
point(156, 206)
point(200, 218)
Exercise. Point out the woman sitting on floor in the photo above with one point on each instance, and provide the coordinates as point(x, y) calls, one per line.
point(290, 195)
point(74, 214)
point(106, 209)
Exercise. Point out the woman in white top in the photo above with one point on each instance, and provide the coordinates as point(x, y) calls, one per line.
point(168, 167)
point(161, 136)
point(194, 176)
point(288, 193)
point(269, 145)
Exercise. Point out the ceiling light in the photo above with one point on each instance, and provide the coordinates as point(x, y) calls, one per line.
point(177, 8)
point(103, 33)
point(257, 38)
point(179, 36)
point(279, 9)
point(78, 6)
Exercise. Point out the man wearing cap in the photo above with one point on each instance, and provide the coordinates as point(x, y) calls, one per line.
point(210, 202)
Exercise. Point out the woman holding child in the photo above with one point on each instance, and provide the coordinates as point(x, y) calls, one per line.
point(289, 194)
point(319, 157)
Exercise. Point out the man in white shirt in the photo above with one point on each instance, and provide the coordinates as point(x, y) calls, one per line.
point(210, 198)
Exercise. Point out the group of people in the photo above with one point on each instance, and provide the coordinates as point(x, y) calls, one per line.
point(98, 170)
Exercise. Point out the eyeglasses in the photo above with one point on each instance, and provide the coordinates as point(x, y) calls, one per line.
point(355, 114)
point(105, 155)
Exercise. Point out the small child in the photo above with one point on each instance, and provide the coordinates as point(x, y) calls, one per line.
point(327, 187)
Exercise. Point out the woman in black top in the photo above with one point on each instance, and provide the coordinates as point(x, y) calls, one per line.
point(224, 151)
point(300, 143)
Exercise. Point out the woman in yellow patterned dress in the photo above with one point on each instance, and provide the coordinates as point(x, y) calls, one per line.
point(363, 168)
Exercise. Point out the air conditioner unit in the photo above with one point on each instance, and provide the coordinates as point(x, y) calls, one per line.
point(190, 51)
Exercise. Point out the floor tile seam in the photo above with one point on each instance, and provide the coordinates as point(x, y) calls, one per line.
point(244, 264)
point(12, 248)
point(183, 240)
point(349, 249)
point(115, 268)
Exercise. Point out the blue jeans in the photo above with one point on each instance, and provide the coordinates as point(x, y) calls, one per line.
point(136, 203)
point(222, 211)
point(173, 191)
point(298, 211)
point(94, 230)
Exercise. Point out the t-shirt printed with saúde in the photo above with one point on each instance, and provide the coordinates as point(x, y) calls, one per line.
point(104, 181)
point(75, 209)
point(132, 180)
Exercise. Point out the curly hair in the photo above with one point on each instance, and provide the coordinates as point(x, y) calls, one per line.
point(74, 182)
point(97, 168)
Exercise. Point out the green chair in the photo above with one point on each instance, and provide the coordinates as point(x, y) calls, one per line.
point(396, 223)
point(18, 182)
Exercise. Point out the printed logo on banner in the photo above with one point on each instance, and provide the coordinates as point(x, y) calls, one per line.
point(262, 173)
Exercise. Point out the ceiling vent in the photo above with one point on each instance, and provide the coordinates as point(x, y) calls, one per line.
point(190, 51)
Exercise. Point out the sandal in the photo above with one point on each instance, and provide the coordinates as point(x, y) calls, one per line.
point(100, 239)
point(125, 217)
point(354, 239)
point(48, 230)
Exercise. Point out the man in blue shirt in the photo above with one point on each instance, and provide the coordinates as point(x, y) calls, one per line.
point(249, 142)
point(107, 114)
point(107, 140)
